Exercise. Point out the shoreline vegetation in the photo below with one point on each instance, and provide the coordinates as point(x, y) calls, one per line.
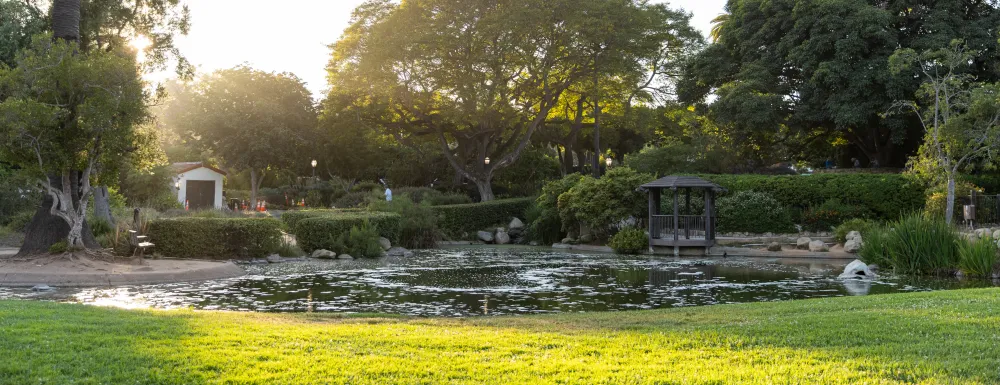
point(928, 337)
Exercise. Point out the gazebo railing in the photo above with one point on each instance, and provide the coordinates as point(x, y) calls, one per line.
point(688, 227)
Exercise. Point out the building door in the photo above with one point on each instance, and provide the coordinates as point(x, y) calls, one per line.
point(201, 194)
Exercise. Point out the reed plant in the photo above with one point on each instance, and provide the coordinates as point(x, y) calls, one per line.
point(914, 244)
point(977, 258)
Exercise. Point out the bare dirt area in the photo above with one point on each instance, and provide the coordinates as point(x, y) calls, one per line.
point(83, 270)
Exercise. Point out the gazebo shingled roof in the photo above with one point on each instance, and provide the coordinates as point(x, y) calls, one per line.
point(674, 182)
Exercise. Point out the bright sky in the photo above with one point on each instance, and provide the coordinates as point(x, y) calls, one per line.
point(293, 35)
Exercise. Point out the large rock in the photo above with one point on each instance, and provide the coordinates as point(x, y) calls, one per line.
point(323, 254)
point(983, 233)
point(274, 258)
point(345, 256)
point(515, 224)
point(802, 243)
point(586, 238)
point(852, 245)
point(385, 243)
point(818, 246)
point(501, 237)
point(485, 236)
point(857, 269)
point(399, 252)
point(774, 246)
point(853, 235)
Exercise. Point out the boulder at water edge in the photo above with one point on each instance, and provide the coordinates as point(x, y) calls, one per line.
point(399, 252)
point(485, 236)
point(586, 238)
point(274, 258)
point(852, 245)
point(501, 237)
point(323, 254)
point(774, 246)
point(983, 233)
point(802, 243)
point(857, 269)
point(996, 234)
point(515, 224)
point(853, 235)
point(385, 243)
point(818, 246)
point(345, 256)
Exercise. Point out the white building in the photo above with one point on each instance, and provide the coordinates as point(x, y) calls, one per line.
point(198, 185)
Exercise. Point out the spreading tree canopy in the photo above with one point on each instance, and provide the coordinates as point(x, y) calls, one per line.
point(480, 77)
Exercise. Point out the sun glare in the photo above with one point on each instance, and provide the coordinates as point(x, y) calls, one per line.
point(140, 43)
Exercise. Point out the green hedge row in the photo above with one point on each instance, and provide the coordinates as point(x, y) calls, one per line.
point(291, 218)
point(882, 196)
point(322, 231)
point(215, 238)
point(453, 220)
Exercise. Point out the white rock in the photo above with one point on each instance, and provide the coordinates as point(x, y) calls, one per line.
point(857, 269)
point(515, 224)
point(42, 287)
point(996, 234)
point(802, 243)
point(323, 254)
point(774, 246)
point(501, 237)
point(485, 236)
point(983, 233)
point(852, 246)
point(853, 235)
point(818, 246)
point(345, 256)
point(385, 243)
point(274, 258)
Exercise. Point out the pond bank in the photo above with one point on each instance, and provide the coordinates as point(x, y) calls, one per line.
point(60, 271)
point(938, 337)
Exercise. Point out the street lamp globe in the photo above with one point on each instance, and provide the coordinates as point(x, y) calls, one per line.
point(607, 162)
point(314, 163)
point(487, 161)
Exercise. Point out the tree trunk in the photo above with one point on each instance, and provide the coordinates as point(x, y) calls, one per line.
point(949, 210)
point(102, 205)
point(46, 229)
point(485, 187)
point(66, 19)
point(597, 139)
point(253, 187)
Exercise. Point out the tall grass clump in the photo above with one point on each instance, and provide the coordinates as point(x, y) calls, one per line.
point(978, 257)
point(915, 244)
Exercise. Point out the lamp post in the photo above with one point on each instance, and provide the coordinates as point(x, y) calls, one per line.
point(487, 161)
point(608, 161)
point(314, 163)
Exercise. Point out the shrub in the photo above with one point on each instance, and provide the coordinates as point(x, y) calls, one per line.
point(451, 198)
point(215, 238)
point(914, 244)
point(359, 242)
point(528, 174)
point(18, 222)
point(323, 232)
point(357, 199)
point(937, 199)
point(545, 224)
point(99, 227)
point(631, 240)
point(418, 224)
point(314, 198)
point(453, 220)
point(59, 247)
point(978, 257)
point(860, 225)
point(752, 212)
point(602, 204)
point(828, 215)
point(884, 196)
point(288, 250)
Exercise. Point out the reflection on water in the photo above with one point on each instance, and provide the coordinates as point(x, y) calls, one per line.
point(477, 281)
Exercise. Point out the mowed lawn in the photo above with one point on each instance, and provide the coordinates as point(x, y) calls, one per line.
point(947, 337)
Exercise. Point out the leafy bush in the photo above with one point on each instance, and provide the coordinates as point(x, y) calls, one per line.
point(453, 220)
point(359, 242)
point(418, 223)
point(857, 224)
point(885, 196)
point(914, 244)
point(631, 240)
point(528, 174)
point(977, 258)
point(451, 198)
point(602, 204)
point(18, 222)
point(937, 199)
point(215, 238)
point(545, 224)
point(357, 199)
point(99, 227)
point(289, 250)
point(314, 198)
point(752, 212)
point(323, 231)
point(59, 247)
point(828, 215)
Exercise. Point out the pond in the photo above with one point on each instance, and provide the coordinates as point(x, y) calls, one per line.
point(499, 281)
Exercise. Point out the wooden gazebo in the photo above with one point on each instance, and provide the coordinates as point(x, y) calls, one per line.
point(676, 229)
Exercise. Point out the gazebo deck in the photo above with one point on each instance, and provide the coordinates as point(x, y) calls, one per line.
point(691, 231)
point(676, 229)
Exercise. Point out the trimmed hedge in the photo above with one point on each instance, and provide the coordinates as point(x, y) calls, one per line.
point(453, 220)
point(215, 238)
point(322, 231)
point(884, 196)
point(291, 218)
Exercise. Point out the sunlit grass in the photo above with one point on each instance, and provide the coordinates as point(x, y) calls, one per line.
point(940, 337)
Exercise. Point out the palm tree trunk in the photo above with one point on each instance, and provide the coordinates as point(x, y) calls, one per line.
point(66, 19)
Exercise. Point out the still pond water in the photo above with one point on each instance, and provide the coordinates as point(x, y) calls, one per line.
point(497, 281)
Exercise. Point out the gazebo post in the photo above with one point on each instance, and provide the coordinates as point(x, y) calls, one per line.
point(709, 231)
point(677, 221)
point(687, 209)
point(652, 213)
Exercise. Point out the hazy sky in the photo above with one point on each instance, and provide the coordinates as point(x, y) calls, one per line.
point(292, 35)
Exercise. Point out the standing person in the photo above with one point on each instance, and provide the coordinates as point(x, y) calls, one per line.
point(829, 163)
point(388, 194)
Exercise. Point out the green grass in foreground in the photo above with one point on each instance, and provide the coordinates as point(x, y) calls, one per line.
point(942, 337)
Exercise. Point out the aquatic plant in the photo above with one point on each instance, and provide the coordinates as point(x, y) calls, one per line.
point(978, 257)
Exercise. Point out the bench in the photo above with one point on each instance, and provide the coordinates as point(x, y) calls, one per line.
point(139, 243)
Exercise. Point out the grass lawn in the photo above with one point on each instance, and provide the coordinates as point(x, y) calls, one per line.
point(929, 338)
